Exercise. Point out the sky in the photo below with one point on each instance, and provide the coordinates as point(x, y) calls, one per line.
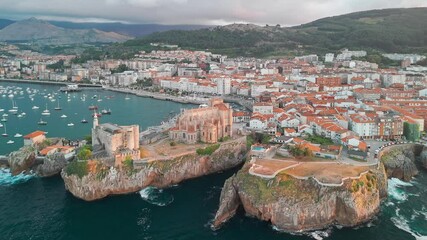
point(201, 12)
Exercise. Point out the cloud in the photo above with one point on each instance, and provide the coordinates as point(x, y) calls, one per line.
point(284, 12)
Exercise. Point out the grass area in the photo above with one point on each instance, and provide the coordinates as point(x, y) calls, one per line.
point(207, 150)
point(316, 139)
point(78, 168)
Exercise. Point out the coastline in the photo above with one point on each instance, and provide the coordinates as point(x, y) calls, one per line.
point(85, 85)
point(158, 96)
point(139, 93)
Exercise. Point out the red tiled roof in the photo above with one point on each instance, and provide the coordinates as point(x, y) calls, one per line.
point(34, 134)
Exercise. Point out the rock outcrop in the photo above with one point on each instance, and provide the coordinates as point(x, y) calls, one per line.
point(22, 160)
point(423, 158)
point(294, 205)
point(399, 162)
point(52, 165)
point(162, 173)
point(25, 160)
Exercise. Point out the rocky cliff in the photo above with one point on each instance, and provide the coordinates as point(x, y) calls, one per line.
point(25, 161)
point(399, 161)
point(294, 205)
point(423, 158)
point(22, 160)
point(99, 184)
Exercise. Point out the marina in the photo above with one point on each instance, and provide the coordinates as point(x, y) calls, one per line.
point(37, 111)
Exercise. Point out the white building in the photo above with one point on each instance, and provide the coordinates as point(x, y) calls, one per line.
point(223, 85)
point(329, 57)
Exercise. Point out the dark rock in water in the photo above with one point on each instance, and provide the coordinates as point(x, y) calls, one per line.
point(22, 160)
point(25, 160)
point(423, 158)
point(229, 203)
point(52, 165)
point(400, 163)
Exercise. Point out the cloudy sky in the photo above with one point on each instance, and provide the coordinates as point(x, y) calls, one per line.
point(211, 12)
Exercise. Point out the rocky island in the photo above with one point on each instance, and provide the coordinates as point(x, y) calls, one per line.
point(299, 196)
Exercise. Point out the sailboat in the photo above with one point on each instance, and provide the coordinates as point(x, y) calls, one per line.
point(5, 133)
point(18, 135)
point(35, 107)
point(41, 122)
point(127, 97)
point(46, 112)
point(14, 108)
point(58, 107)
point(83, 121)
point(10, 142)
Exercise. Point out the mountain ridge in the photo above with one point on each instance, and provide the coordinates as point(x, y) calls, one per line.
point(40, 31)
point(387, 30)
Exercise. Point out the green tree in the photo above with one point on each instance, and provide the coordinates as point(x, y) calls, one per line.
point(84, 154)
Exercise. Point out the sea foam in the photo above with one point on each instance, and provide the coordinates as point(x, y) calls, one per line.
point(6, 178)
point(156, 196)
point(395, 189)
point(403, 224)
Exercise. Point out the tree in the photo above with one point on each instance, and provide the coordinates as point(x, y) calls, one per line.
point(121, 68)
point(84, 154)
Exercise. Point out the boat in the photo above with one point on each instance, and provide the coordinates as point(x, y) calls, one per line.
point(10, 142)
point(4, 119)
point(18, 135)
point(41, 122)
point(35, 108)
point(127, 98)
point(1, 110)
point(70, 124)
point(63, 116)
point(1, 125)
point(20, 115)
point(58, 107)
point(93, 107)
point(106, 112)
point(46, 112)
point(5, 133)
point(83, 121)
point(5, 115)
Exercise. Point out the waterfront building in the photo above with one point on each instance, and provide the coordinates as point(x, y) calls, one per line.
point(34, 138)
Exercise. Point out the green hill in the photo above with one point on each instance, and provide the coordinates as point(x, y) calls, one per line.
point(389, 30)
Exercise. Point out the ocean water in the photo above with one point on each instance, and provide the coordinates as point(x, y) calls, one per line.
point(35, 208)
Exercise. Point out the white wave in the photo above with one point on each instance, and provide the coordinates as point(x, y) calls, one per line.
point(156, 196)
point(6, 178)
point(395, 191)
point(401, 223)
point(319, 235)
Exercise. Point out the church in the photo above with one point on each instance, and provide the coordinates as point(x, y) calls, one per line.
point(206, 124)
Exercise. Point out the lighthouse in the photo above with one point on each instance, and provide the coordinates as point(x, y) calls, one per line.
point(95, 119)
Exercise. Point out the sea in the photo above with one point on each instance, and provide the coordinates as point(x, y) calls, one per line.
point(40, 208)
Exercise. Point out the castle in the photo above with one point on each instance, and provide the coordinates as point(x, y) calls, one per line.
point(206, 124)
point(119, 142)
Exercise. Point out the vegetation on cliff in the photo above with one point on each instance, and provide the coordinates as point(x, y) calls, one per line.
point(208, 150)
point(78, 168)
